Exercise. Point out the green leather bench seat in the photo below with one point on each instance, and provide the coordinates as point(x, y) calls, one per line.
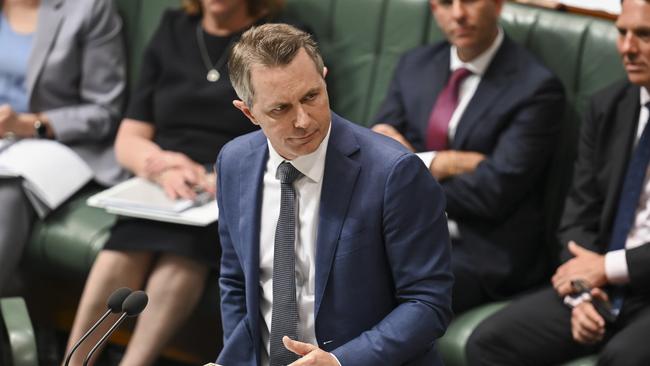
point(361, 41)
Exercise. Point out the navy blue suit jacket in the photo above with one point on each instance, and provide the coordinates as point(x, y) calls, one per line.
point(513, 119)
point(383, 280)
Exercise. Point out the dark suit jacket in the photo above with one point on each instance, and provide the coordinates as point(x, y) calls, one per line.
point(514, 119)
point(383, 281)
point(606, 141)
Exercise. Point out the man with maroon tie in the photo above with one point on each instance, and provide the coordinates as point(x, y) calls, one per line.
point(491, 114)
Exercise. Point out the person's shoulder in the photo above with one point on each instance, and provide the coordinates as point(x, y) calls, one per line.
point(526, 61)
point(374, 146)
point(608, 97)
point(173, 16)
point(425, 53)
point(242, 145)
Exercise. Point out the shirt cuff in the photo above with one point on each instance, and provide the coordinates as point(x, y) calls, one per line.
point(427, 157)
point(616, 267)
point(337, 360)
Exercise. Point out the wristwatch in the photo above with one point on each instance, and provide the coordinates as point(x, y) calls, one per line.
point(40, 130)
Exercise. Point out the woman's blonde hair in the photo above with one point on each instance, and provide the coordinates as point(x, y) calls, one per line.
point(256, 8)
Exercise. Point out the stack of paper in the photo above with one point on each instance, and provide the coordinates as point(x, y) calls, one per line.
point(138, 197)
point(51, 171)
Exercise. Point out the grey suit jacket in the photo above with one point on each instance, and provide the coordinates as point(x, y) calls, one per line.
point(76, 76)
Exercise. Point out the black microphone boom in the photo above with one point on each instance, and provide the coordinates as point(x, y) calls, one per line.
point(132, 306)
point(114, 304)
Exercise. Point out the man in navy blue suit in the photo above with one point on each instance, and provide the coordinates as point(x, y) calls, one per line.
point(329, 256)
point(491, 112)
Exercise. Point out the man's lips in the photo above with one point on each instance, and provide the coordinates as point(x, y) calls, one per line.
point(303, 138)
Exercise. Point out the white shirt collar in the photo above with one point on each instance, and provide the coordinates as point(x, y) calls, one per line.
point(645, 96)
point(311, 165)
point(479, 64)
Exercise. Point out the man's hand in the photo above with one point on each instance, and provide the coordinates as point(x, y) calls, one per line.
point(390, 131)
point(587, 326)
point(585, 265)
point(310, 354)
point(449, 163)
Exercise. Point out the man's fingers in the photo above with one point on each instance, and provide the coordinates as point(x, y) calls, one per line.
point(599, 294)
point(299, 348)
point(576, 249)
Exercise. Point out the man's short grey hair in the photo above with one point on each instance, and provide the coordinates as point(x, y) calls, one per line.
point(268, 45)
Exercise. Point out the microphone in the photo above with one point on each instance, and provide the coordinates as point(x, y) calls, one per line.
point(132, 306)
point(114, 304)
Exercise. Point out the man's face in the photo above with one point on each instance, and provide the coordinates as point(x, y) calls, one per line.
point(634, 40)
point(291, 106)
point(470, 25)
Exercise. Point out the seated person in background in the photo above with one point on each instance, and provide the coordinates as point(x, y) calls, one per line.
point(491, 112)
point(606, 229)
point(326, 244)
point(179, 117)
point(42, 60)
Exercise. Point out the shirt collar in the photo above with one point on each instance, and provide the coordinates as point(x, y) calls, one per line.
point(311, 165)
point(645, 96)
point(480, 63)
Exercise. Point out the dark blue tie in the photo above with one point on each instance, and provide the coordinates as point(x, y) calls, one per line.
point(284, 317)
point(631, 191)
point(629, 201)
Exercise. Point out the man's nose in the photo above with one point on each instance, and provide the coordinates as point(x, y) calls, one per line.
point(458, 10)
point(628, 44)
point(302, 118)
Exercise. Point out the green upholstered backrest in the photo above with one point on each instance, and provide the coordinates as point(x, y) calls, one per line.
point(361, 41)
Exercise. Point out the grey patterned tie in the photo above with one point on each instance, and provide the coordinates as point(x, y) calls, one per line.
point(284, 320)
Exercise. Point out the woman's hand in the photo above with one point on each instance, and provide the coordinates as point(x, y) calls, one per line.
point(8, 120)
point(181, 182)
point(162, 160)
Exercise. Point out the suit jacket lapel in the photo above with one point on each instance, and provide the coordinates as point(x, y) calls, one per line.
point(625, 120)
point(492, 85)
point(339, 180)
point(436, 74)
point(49, 22)
point(251, 173)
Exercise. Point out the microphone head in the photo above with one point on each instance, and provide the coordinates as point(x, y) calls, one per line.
point(135, 303)
point(116, 299)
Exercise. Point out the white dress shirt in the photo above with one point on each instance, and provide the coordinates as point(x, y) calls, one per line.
point(308, 193)
point(615, 261)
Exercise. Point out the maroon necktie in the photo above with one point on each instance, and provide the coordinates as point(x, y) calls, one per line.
point(444, 108)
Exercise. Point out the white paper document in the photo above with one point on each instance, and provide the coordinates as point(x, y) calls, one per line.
point(138, 197)
point(51, 171)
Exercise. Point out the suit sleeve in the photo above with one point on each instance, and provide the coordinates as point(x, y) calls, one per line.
point(417, 246)
point(581, 218)
point(392, 110)
point(102, 80)
point(516, 164)
point(231, 277)
point(638, 264)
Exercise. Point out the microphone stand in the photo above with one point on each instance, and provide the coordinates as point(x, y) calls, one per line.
point(104, 338)
point(83, 338)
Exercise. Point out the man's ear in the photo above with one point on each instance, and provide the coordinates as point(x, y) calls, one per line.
point(432, 5)
point(325, 70)
point(239, 104)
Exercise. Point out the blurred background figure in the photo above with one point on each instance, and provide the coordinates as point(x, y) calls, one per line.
point(491, 112)
point(62, 77)
point(179, 117)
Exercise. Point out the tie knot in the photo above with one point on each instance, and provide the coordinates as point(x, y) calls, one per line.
point(287, 173)
point(459, 75)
